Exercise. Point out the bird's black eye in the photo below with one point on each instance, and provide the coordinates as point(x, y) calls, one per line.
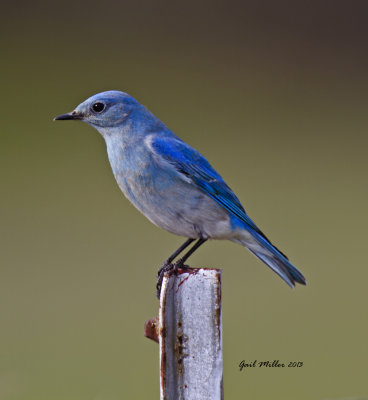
point(98, 107)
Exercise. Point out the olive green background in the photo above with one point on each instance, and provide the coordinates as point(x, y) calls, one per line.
point(274, 94)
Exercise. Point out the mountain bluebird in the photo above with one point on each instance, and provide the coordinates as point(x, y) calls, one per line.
point(171, 183)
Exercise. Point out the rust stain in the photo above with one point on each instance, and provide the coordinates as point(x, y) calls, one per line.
point(181, 282)
point(162, 372)
point(218, 304)
point(186, 270)
point(180, 347)
point(163, 333)
point(151, 329)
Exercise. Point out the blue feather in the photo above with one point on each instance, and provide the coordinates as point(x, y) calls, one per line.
point(193, 165)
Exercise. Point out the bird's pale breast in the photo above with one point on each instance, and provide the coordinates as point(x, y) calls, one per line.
point(162, 195)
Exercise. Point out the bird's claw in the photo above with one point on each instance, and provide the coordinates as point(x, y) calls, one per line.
point(180, 265)
point(167, 267)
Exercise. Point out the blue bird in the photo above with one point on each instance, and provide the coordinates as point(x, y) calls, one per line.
point(171, 183)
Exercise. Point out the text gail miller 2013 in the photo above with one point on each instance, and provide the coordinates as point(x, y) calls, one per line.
point(269, 364)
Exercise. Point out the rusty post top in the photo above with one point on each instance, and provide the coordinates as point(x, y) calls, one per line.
point(190, 335)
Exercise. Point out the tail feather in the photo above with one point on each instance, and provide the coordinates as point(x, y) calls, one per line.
point(274, 259)
point(283, 268)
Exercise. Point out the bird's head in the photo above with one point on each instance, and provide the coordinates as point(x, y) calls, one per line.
point(104, 110)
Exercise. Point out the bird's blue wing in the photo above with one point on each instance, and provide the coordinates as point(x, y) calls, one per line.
point(198, 170)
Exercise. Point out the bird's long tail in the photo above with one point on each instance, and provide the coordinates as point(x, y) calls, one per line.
point(261, 247)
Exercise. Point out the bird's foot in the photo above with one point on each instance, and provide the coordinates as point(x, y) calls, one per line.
point(180, 265)
point(167, 267)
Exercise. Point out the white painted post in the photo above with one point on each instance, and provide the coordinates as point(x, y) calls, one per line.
point(190, 335)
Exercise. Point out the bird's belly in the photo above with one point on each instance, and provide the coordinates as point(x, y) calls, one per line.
point(179, 208)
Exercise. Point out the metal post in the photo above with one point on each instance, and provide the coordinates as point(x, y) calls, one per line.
point(189, 331)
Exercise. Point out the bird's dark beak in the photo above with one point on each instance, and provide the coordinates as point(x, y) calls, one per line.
point(71, 115)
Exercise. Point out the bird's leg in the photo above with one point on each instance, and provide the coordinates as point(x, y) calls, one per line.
point(181, 261)
point(167, 266)
point(178, 251)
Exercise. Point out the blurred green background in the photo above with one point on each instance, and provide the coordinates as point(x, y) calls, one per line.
point(274, 94)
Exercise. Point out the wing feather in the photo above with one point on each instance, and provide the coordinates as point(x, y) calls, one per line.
point(194, 166)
